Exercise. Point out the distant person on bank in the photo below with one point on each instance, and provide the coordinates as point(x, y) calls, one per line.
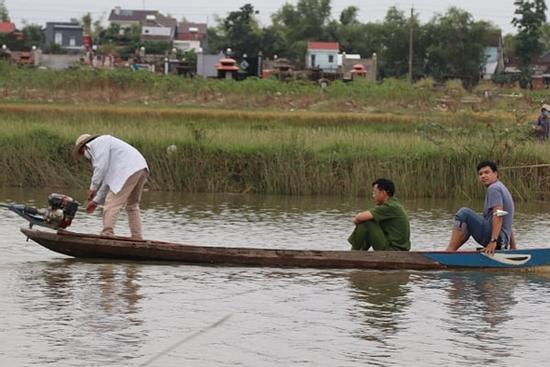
point(493, 230)
point(384, 227)
point(542, 125)
point(119, 174)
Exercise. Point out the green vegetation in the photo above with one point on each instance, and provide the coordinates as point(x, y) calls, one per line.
point(268, 136)
point(431, 155)
point(394, 96)
point(529, 41)
point(294, 24)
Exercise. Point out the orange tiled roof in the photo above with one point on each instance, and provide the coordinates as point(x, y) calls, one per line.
point(323, 46)
point(7, 27)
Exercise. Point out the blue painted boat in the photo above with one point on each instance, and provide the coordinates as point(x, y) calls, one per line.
point(517, 259)
point(82, 245)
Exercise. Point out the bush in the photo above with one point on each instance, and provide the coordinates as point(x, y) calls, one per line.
point(503, 78)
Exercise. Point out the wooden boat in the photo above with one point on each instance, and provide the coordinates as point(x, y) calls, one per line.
point(90, 246)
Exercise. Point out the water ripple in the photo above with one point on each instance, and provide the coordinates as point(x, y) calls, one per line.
point(67, 312)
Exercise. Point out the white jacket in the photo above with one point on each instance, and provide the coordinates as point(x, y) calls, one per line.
point(113, 161)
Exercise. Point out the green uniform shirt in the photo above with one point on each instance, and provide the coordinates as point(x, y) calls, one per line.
point(394, 222)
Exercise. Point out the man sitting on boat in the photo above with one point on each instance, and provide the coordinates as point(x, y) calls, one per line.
point(120, 172)
point(384, 227)
point(493, 230)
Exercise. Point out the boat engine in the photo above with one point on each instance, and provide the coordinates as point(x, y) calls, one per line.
point(58, 215)
point(62, 210)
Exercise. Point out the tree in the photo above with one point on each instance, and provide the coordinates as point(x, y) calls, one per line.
point(120, 36)
point(216, 40)
point(239, 31)
point(86, 22)
point(242, 32)
point(456, 45)
point(272, 42)
point(349, 15)
point(4, 14)
point(33, 35)
point(529, 21)
point(395, 44)
point(509, 43)
point(300, 23)
point(354, 36)
point(98, 30)
point(545, 36)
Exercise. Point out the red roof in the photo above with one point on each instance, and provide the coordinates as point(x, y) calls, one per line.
point(118, 14)
point(191, 31)
point(7, 27)
point(323, 46)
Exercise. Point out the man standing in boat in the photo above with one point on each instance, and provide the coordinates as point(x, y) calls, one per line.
point(384, 227)
point(120, 172)
point(493, 230)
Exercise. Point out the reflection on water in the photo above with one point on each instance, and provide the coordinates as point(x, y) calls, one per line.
point(479, 305)
point(115, 291)
point(384, 299)
point(68, 312)
point(90, 308)
point(482, 313)
point(486, 296)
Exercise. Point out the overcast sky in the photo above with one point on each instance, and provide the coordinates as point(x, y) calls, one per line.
point(499, 12)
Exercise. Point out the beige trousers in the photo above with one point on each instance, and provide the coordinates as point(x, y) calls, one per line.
point(129, 195)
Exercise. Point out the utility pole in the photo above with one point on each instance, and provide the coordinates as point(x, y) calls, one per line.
point(411, 46)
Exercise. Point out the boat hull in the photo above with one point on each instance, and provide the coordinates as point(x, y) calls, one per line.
point(89, 246)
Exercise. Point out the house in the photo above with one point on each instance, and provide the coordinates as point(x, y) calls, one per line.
point(154, 25)
point(7, 27)
point(126, 18)
point(541, 72)
point(494, 56)
point(157, 27)
point(67, 35)
point(494, 62)
point(545, 59)
point(190, 36)
point(322, 55)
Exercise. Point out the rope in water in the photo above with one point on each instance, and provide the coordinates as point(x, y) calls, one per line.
point(186, 339)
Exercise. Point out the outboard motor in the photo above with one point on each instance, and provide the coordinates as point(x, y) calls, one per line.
point(58, 215)
point(62, 210)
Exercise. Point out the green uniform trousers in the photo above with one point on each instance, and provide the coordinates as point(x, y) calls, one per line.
point(369, 234)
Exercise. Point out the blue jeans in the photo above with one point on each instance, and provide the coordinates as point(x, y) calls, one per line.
point(474, 225)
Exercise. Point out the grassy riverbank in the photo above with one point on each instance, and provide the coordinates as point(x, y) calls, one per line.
point(428, 155)
point(123, 87)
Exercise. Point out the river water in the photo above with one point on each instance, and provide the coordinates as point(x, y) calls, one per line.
point(65, 312)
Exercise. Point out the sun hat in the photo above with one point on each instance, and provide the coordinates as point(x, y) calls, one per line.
point(83, 140)
point(545, 107)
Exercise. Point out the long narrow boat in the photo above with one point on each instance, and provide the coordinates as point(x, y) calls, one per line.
point(90, 246)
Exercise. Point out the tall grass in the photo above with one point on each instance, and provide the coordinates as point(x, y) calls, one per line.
point(431, 155)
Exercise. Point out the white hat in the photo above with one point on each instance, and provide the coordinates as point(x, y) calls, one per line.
point(545, 107)
point(83, 140)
